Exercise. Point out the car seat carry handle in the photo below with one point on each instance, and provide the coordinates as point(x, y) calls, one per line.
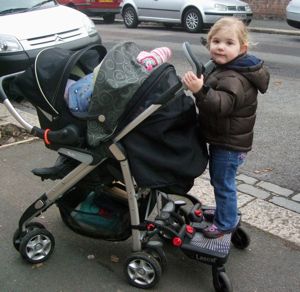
point(198, 67)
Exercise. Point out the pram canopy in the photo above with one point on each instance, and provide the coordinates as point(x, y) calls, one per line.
point(166, 150)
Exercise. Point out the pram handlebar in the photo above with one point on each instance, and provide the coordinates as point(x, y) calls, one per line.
point(197, 67)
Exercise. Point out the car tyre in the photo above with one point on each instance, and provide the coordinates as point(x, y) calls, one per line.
point(130, 17)
point(192, 20)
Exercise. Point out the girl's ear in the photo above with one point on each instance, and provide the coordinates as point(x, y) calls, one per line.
point(244, 48)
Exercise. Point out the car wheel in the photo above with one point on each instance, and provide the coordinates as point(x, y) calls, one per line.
point(109, 18)
point(192, 20)
point(130, 17)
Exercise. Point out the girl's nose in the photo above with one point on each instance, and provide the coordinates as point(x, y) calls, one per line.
point(220, 46)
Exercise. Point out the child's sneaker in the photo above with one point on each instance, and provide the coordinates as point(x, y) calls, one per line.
point(212, 231)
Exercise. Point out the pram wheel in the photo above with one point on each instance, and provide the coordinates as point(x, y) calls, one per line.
point(17, 235)
point(222, 282)
point(240, 239)
point(142, 270)
point(37, 245)
point(159, 254)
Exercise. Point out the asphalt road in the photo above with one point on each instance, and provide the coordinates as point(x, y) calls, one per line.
point(82, 264)
point(276, 149)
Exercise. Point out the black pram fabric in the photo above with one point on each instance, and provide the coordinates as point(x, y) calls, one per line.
point(43, 83)
point(166, 151)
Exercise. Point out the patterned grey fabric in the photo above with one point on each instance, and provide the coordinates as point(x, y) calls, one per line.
point(118, 78)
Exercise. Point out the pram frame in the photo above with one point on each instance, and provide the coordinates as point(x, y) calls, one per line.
point(86, 165)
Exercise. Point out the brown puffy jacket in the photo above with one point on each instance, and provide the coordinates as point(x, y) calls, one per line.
point(228, 101)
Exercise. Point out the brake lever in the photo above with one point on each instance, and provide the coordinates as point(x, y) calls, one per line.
point(197, 66)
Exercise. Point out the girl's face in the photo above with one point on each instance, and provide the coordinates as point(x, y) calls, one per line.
point(225, 46)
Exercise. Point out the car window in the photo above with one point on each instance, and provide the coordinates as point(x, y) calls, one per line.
point(16, 6)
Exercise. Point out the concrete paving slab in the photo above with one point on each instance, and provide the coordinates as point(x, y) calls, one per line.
point(252, 190)
point(273, 219)
point(275, 189)
point(296, 198)
point(285, 203)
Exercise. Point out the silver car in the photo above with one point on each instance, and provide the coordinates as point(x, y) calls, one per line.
point(194, 15)
point(293, 13)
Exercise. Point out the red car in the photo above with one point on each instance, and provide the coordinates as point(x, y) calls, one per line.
point(104, 8)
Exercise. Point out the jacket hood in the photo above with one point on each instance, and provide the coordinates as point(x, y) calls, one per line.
point(251, 68)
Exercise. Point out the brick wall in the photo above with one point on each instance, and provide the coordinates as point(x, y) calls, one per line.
point(274, 9)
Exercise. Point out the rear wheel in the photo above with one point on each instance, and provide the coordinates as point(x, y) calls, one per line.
point(159, 254)
point(222, 282)
point(109, 18)
point(240, 239)
point(142, 270)
point(192, 20)
point(130, 17)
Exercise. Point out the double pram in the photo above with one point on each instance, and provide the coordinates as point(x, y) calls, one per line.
point(121, 163)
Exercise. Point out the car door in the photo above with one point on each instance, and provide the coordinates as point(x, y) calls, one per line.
point(159, 10)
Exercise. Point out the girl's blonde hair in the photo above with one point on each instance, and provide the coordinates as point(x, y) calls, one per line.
point(235, 24)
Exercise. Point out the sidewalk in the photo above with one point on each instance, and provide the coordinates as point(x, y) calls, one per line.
point(264, 205)
point(272, 26)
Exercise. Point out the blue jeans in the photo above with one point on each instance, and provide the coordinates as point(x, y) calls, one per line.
point(223, 166)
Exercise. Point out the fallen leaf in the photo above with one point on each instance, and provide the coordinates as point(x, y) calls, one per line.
point(114, 258)
point(268, 169)
point(37, 266)
point(278, 82)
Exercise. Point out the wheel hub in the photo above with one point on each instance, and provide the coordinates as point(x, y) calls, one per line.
point(192, 21)
point(141, 271)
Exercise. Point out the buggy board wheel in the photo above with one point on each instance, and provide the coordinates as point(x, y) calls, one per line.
point(30, 226)
point(158, 253)
point(240, 239)
point(222, 282)
point(37, 245)
point(142, 270)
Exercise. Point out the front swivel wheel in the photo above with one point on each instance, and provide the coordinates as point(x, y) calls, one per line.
point(37, 245)
point(142, 270)
point(18, 234)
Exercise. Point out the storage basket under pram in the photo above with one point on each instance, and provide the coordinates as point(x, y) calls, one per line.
point(139, 136)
